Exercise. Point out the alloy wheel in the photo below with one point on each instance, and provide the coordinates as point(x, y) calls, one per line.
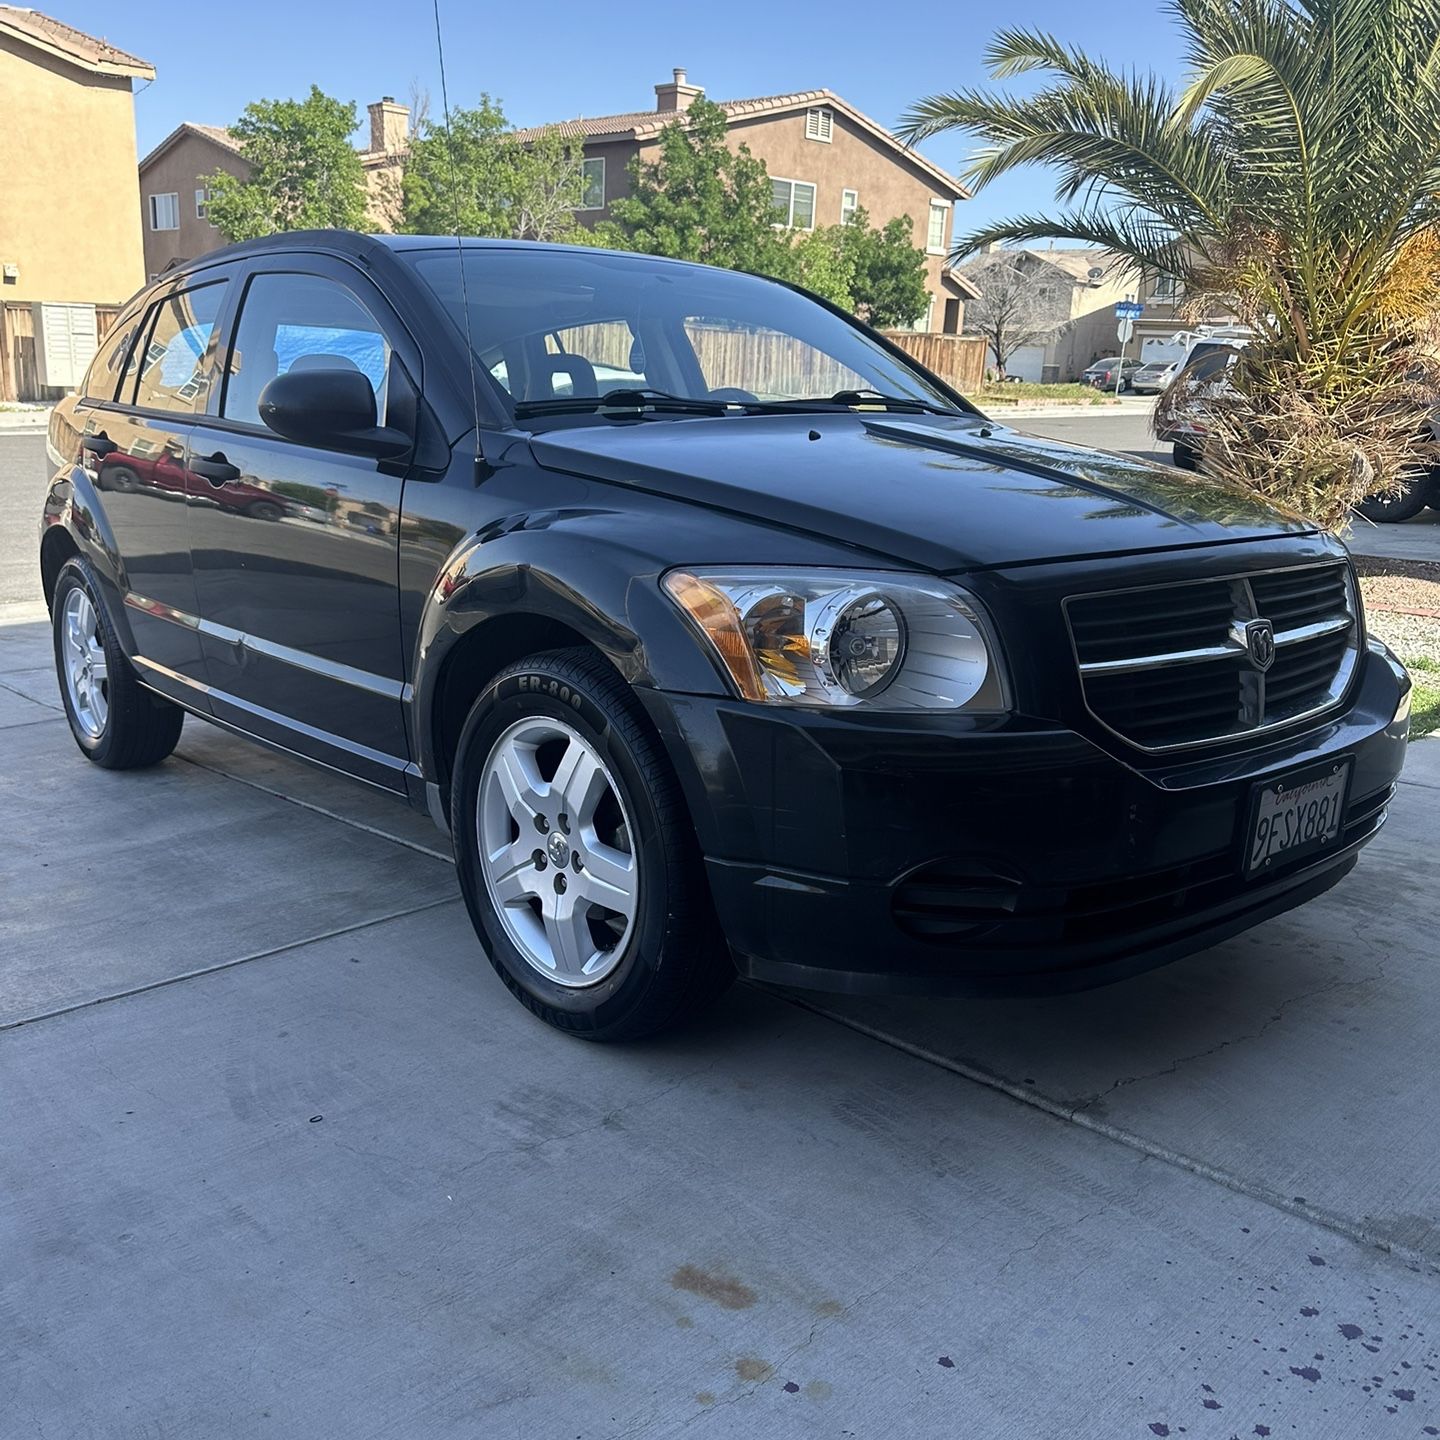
point(86, 674)
point(556, 851)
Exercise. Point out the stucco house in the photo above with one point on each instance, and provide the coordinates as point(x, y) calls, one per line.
point(1079, 288)
point(69, 202)
point(172, 182)
point(825, 158)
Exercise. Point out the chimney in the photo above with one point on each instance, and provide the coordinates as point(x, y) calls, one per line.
point(677, 95)
point(389, 126)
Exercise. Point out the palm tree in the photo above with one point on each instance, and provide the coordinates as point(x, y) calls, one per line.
point(1296, 174)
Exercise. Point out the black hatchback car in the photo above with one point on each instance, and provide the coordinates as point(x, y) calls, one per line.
point(718, 633)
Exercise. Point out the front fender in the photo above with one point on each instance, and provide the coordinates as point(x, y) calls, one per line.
point(564, 568)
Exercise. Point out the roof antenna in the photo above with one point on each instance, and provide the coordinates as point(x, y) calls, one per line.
point(459, 244)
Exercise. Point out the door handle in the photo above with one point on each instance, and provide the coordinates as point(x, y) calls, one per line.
point(100, 444)
point(217, 469)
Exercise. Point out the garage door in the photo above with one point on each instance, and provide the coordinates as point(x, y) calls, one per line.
point(1026, 363)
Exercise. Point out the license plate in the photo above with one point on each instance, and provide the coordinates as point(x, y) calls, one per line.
point(1296, 815)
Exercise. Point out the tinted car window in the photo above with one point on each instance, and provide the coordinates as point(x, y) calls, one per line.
point(291, 321)
point(170, 368)
point(104, 373)
point(1207, 361)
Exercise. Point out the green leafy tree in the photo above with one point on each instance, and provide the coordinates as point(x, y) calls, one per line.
point(889, 286)
point(1295, 176)
point(823, 260)
point(304, 172)
point(478, 176)
point(700, 200)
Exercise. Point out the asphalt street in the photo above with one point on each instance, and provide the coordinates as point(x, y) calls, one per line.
point(281, 1156)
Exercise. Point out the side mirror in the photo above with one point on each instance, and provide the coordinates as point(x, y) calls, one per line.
point(333, 409)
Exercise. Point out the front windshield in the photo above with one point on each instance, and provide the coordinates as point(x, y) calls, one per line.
point(551, 324)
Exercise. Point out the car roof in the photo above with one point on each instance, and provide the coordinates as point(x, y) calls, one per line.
point(352, 244)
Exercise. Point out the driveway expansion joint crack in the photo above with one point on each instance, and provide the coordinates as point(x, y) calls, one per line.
point(1418, 1260)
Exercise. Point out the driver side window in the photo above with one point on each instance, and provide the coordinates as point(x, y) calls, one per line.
point(292, 322)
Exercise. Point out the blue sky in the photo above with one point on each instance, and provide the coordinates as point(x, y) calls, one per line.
point(548, 61)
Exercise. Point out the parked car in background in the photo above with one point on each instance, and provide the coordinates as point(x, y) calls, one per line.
point(847, 688)
point(1154, 376)
point(1209, 366)
point(1204, 373)
point(1102, 373)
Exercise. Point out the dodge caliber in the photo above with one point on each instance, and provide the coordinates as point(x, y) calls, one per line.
point(720, 635)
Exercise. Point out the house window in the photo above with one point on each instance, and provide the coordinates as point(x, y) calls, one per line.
point(819, 124)
point(202, 201)
point(794, 203)
point(1165, 287)
point(165, 211)
point(849, 204)
point(592, 194)
point(935, 232)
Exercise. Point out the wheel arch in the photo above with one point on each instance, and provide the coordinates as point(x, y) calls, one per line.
point(499, 599)
point(471, 662)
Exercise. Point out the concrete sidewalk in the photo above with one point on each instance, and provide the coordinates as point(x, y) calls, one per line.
point(282, 1156)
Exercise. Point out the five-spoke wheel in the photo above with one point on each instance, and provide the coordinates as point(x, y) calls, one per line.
point(555, 850)
point(576, 854)
point(83, 663)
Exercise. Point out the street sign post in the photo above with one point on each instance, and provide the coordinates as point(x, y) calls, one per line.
point(1127, 312)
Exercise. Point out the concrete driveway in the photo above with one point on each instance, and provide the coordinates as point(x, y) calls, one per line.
point(281, 1156)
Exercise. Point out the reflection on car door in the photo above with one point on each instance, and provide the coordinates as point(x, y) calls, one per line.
point(135, 443)
point(296, 548)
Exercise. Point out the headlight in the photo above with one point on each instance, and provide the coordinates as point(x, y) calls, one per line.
point(813, 637)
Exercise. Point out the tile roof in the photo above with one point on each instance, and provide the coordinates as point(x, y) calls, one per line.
point(644, 124)
point(75, 45)
point(216, 134)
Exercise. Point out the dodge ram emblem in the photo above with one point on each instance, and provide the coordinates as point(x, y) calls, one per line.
point(1260, 643)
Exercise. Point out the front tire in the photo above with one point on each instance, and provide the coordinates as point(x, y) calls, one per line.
point(576, 855)
point(116, 722)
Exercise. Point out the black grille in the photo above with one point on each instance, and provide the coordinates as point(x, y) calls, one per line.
point(1168, 666)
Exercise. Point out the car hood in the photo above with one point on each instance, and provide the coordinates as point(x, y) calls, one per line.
point(938, 493)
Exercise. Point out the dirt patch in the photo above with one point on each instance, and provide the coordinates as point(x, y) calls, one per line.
point(754, 1369)
point(724, 1290)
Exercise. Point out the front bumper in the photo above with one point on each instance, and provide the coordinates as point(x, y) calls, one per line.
point(936, 854)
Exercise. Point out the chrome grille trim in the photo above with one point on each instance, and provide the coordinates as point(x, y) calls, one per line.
point(1232, 650)
point(1315, 659)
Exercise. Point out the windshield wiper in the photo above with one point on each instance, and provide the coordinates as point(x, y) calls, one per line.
point(857, 399)
point(627, 402)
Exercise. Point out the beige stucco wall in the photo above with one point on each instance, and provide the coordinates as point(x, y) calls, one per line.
point(69, 199)
point(180, 169)
point(887, 184)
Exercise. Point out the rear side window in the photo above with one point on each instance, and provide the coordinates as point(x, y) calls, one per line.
point(104, 373)
point(171, 365)
point(291, 322)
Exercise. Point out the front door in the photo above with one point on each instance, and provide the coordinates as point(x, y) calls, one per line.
point(135, 445)
point(296, 548)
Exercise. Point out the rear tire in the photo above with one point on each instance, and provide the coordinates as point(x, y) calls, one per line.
point(1404, 505)
point(567, 817)
point(116, 722)
point(1186, 457)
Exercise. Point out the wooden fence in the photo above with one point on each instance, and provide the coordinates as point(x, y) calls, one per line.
point(959, 360)
point(767, 363)
point(19, 373)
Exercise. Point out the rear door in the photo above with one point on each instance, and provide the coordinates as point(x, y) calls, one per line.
point(295, 547)
point(137, 428)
